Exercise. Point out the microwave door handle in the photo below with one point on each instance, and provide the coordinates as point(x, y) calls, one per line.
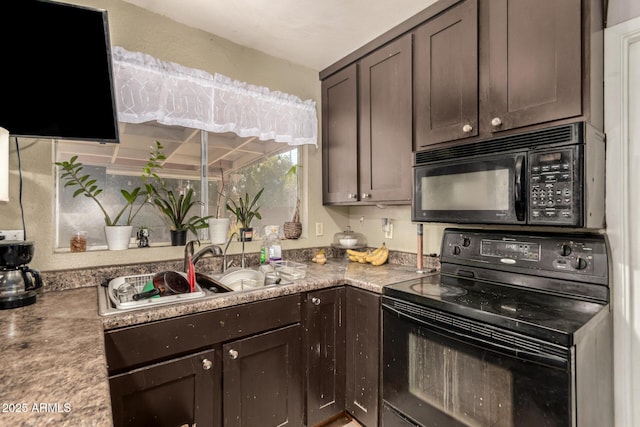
point(519, 189)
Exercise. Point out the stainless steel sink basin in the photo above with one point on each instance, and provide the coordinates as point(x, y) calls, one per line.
point(242, 279)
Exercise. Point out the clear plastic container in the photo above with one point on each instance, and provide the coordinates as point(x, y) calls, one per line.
point(290, 269)
point(272, 243)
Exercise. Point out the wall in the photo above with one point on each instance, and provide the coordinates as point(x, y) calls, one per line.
point(622, 10)
point(138, 30)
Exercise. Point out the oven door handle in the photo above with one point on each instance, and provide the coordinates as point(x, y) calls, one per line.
point(543, 358)
point(519, 188)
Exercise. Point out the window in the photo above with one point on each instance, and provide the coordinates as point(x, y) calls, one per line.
point(244, 166)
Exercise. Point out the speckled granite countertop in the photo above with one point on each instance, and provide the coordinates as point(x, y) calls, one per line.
point(53, 362)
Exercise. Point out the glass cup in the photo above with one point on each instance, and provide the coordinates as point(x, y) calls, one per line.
point(78, 241)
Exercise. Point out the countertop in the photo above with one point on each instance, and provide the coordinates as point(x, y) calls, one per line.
point(54, 369)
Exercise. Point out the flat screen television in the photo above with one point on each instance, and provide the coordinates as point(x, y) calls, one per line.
point(56, 77)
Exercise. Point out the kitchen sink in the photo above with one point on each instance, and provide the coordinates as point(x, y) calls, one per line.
point(210, 285)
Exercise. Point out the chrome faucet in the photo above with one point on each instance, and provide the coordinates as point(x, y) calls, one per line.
point(214, 250)
point(224, 256)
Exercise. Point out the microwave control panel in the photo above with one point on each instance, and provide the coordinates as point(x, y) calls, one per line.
point(553, 179)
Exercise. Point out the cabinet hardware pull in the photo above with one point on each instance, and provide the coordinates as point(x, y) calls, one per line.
point(233, 354)
point(467, 128)
point(352, 196)
point(495, 122)
point(207, 364)
point(366, 196)
point(315, 301)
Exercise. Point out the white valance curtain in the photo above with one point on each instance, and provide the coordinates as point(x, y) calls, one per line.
point(149, 89)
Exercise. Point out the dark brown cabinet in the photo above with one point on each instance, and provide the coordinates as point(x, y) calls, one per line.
point(484, 67)
point(324, 324)
point(343, 354)
point(446, 76)
point(263, 380)
point(363, 355)
point(236, 366)
point(173, 393)
point(535, 54)
point(367, 135)
point(386, 137)
point(340, 137)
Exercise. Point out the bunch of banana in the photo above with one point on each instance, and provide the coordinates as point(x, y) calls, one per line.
point(376, 257)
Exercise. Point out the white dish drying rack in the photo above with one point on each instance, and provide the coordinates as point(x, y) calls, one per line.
point(139, 281)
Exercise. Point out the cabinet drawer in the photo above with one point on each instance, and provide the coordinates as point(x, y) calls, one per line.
point(138, 345)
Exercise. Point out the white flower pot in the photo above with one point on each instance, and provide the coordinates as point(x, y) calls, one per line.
point(118, 237)
point(218, 230)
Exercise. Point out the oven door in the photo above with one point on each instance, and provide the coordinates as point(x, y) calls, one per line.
point(483, 189)
point(438, 377)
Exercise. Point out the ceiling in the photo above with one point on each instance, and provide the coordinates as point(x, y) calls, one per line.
point(313, 33)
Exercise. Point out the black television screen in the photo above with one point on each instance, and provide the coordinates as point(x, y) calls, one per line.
point(56, 77)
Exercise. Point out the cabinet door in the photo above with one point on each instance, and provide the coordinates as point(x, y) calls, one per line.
point(386, 143)
point(363, 355)
point(446, 76)
point(340, 136)
point(263, 380)
point(174, 393)
point(535, 62)
point(325, 341)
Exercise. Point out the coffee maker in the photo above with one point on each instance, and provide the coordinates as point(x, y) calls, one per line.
point(18, 282)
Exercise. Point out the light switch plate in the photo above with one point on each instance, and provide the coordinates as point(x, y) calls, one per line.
point(388, 233)
point(319, 229)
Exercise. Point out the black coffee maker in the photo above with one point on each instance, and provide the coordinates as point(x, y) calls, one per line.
point(18, 282)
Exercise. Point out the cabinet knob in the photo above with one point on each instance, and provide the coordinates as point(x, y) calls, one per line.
point(315, 301)
point(207, 364)
point(352, 196)
point(495, 122)
point(366, 195)
point(233, 354)
point(467, 128)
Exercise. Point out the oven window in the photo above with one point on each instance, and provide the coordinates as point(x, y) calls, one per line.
point(486, 190)
point(436, 379)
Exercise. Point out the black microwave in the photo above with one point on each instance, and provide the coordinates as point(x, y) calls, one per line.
point(548, 177)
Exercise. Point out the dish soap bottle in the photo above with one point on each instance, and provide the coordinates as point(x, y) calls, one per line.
point(272, 244)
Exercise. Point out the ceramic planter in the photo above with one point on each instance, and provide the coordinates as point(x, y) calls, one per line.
point(118, 237)
point(218, 230)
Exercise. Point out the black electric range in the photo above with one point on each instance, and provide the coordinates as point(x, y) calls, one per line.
point(523, 310)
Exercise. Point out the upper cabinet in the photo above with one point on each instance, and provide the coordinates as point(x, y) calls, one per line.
point(480, 68)
point(367, 129)
point(445, 71)
point(534, 72)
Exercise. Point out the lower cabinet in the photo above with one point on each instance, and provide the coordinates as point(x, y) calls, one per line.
point(363, 355)
point(173, 393)
point(342, 349)
point(323, 320)
point(262, 377)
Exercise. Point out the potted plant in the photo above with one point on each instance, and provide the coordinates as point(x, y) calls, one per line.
point(244, 212)
point(117, 227)
point(219, 225)
point(173, 207)
point(293, 229)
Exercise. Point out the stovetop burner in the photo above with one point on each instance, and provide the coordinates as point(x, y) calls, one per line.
point(437, 289)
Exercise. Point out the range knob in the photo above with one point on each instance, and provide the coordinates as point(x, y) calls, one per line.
point(466, 242)
point(455, 250)
point(581, 263)
point(565, 250)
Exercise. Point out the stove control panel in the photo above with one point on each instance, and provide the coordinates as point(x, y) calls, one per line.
point(570, 256)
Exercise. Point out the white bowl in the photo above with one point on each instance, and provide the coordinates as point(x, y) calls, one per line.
point(348, 242)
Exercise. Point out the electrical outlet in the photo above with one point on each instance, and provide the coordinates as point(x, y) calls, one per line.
point(319, 229)
point(388, 232)
point(11, 235)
